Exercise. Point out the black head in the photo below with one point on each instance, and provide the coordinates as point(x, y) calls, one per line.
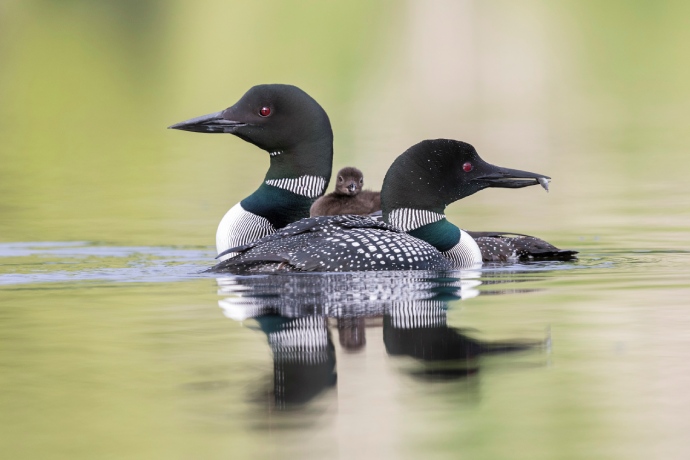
point(272, 117)
point(435, 173)
point(349, 182)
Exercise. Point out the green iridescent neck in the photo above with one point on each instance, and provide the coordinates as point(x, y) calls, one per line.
point(441, 234)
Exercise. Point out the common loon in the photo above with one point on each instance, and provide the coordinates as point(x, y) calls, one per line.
point(286, 122)
point(348, 197)
point(415, 234)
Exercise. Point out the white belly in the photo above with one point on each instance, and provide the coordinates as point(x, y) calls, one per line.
point(240, 227)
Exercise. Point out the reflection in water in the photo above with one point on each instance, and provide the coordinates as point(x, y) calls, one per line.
point(295, 312)
point(444, 352)
point(303, 357)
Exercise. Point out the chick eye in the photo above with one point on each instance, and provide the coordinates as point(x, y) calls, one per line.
point(361, 181)
point(265, 111)
point(340, 178)
point(467, 167)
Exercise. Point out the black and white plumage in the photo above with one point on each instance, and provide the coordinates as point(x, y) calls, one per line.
point(294, 129)
point(309, 186)
point(418, 186)
point(427, 177)
point(345, 243)
point(512, 247)
point(407, 219)
point(239, 226)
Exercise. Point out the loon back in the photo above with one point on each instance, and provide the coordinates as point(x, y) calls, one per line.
point(345, 243)
point(294, 129)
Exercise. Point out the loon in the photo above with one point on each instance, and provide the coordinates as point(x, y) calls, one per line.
point(296, 131)
point(348, 197)
point(414, 234)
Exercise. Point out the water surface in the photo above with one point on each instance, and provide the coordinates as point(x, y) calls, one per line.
point(128, 351)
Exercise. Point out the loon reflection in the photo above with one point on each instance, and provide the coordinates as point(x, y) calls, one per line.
point(298, 311)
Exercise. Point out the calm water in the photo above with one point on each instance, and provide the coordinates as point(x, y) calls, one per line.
point(113, 345)
point(125, 352)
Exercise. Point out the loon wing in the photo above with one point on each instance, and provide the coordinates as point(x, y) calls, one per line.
point(292, 246)
point(342, 243)
point(508, 246)
point(312, 224)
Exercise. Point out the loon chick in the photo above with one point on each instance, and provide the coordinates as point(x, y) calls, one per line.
point(286, 122)
point(415, 234)
point(348, 197)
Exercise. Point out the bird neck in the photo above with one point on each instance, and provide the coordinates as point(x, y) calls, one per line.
point(310, 158)
point(295, 179)
point(429, 226)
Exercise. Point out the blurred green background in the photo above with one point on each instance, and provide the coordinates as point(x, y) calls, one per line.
point(595, 94)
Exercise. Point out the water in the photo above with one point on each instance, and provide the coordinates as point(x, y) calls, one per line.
point(129, 352)
point(114, 345)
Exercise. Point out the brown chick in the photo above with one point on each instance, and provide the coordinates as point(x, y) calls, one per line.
point(348, 197)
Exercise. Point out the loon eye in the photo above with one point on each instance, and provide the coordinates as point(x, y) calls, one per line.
point(467, 167)
point(265, 111)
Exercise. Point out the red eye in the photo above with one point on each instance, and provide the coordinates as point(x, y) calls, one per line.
point(467, 167)
point(265, 111)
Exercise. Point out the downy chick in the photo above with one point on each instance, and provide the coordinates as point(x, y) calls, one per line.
point(348, 197)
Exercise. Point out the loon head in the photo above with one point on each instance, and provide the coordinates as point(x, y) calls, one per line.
point(349, 182)
point(434, 173)
point(272, 117)
point(281, 119)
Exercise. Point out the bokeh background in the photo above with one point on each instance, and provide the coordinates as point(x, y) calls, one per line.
point(595, 94)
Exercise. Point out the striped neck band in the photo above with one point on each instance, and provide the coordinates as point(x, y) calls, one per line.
point(407, 219)
point(309, 186)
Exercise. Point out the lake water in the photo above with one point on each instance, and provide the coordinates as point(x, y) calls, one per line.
point(127, 352)
point(114, 345)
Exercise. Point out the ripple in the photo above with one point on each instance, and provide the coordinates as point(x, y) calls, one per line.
point(45, 262)
point(60, 262)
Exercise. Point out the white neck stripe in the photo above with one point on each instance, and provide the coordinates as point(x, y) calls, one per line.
point(309, 186)
point(407, 219)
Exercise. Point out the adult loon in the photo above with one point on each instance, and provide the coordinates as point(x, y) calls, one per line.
point(286, 122)
point(415, 234)
point(348, 197)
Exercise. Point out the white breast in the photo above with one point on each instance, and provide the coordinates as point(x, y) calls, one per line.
point(240, 227)
point(466, 253)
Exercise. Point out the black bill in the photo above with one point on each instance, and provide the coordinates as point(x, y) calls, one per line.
point(211, 123)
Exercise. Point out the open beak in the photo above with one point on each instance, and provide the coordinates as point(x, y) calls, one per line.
point(211, 123)
point(512, 178)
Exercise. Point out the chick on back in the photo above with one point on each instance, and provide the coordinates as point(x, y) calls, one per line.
point(348, 197)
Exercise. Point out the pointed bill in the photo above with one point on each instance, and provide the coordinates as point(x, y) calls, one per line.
point(211, 123)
